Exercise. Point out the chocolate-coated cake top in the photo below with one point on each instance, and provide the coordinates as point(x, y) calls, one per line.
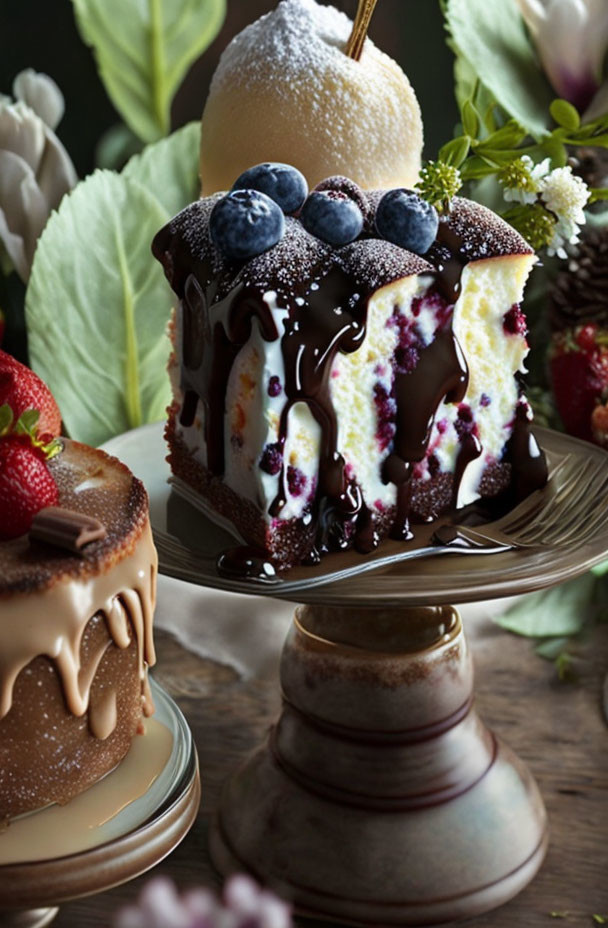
point(95, 484)
point(470, 232)
point(482, 233)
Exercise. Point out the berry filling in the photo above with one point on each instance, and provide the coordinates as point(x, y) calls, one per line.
point(465, 423)
point(386, 410)
point(271, 461)
point(296, 481)
point(274, 386)
point(514, 321)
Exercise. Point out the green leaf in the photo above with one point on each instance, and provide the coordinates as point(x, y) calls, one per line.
point(470, 119)
point(169, 169)
point(561, 611)
point(465, 79)
point(6, 419)
point(508, 136)
point(143, 49)
point(565, 114)
point(557, 151)
point(116, 146)
point(97, 305)
point(551, 648)
point(600, 570)
point(493, 39)
point(475, 168)
point(27, 422)
point(455, 151)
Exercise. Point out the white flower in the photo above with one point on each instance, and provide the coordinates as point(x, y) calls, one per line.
point(571, 37)
point(557, 244)
point(564, 195)
point(526, 191)
point(35, 169)
point(41, 94)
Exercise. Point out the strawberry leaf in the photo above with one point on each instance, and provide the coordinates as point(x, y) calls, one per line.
point(27, 423)
point(6, 419)
point(50, 449)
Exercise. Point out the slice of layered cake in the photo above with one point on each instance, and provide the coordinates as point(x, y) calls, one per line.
point(77, 591)
point(332, 386)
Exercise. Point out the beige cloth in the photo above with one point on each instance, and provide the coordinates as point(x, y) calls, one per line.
point(247, 632)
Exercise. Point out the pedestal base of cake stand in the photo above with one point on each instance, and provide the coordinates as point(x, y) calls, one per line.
point(380, 797)
point(139, 836)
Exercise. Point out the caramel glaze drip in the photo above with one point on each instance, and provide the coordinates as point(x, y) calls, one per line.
point(52, 623)
point(328, 313)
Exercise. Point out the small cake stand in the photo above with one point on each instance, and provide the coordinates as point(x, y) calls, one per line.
point(380, 798)
point(136, 839)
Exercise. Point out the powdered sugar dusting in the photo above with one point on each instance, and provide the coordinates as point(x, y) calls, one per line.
point(297, 259)
point(299, 36)
point(291, 67)
point(374, 263)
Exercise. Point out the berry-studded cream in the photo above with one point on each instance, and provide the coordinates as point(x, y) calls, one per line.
point(336, 387)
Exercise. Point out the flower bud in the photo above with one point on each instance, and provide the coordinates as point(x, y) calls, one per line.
point(35, 169)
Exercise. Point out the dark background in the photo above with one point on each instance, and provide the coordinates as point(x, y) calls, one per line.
point(42, 34)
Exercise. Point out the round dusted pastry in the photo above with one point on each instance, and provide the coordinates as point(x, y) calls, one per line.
point(285, 90)
point(76, 602)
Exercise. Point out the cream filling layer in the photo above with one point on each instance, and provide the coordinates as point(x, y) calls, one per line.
point(489, 288)
point(51, 623)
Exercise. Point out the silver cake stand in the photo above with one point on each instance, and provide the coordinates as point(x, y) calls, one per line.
point(139, 837)
point(380, 798)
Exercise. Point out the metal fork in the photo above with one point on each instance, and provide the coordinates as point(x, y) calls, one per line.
point(569, 511)
point(572, 507)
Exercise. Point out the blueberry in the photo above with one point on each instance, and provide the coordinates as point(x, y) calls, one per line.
point(405, 219)
point(245, 223)
point(332, 216)
point(281, 182)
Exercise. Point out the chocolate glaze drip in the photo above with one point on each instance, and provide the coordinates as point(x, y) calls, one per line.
point(449, 259)
point(213, 335)
point(326, 295)
point(441, 373)
point(528, 461)
point(246, 561)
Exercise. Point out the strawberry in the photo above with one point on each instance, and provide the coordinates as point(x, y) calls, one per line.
point(26, 484)
point(579, 371)
point(22, 389)
point(599, 424)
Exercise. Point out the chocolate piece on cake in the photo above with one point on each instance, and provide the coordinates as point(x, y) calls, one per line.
point(75, 637)
point(325, 397)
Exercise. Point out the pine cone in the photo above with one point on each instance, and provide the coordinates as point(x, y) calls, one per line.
point(591, 164)
point(580, 292)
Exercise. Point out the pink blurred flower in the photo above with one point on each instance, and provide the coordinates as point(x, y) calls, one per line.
point(571, 38)
point(244, 905)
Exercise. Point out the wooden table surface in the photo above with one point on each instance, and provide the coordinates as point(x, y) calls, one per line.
point(557, 728)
